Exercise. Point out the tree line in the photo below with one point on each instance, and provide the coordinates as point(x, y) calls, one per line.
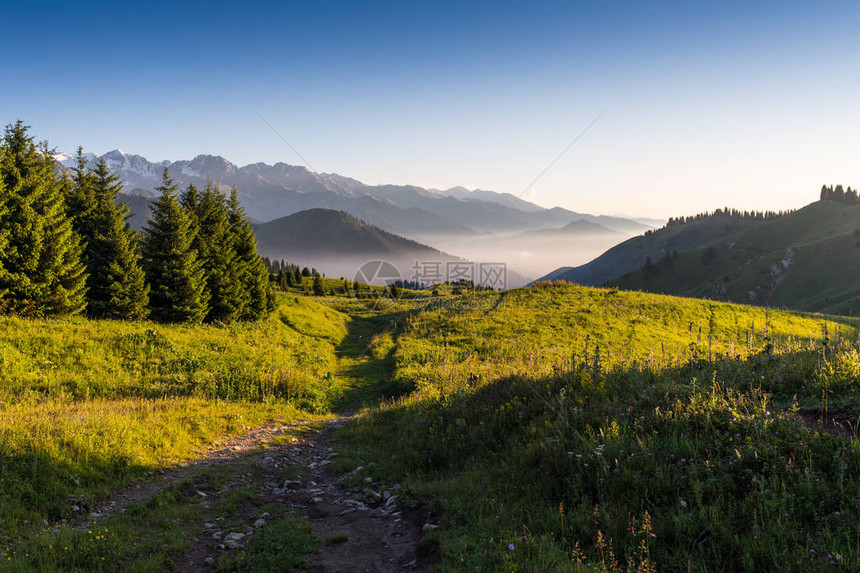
point(66, 247)
point(727, 213)
point(848, 196)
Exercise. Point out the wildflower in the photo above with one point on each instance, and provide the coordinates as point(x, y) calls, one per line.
point(836, 514)
point(511, 546)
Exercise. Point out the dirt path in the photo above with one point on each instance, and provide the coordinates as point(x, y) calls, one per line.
point(361, 528)
point(223, 456)
point(378, 534)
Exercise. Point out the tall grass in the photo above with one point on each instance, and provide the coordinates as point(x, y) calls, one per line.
point(86, 406)
point(534, 454)
point(538, 331)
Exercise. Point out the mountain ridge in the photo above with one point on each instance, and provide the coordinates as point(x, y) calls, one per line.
point(272, 191)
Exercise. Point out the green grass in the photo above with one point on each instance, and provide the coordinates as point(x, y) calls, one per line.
point(817, 243)
point(536, 331)
point(87, 406)
point(75, 359)
point(535, 455)
point(285, 545)
point(154, 536)
point(544, 429)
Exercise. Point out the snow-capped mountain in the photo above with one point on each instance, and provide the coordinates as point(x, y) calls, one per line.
point(271, 191)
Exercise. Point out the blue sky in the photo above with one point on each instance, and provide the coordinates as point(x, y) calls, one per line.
point(750, 105)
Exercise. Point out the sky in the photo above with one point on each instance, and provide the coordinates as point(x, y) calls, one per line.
point(751, 105)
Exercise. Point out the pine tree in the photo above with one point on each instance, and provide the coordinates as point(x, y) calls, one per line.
point(174, 273)
point(253, 275)
point(41, 272)
point(214, 244)
point(81, 202)
point(117, 284)
point(318, 286)
point(189, 200)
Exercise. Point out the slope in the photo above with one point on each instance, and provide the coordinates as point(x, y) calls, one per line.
point(565, 428)
point(808, 260)
point(632, 254)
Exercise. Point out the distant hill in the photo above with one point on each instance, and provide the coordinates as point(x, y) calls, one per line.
point(571, 230)
point(506, 199)
point(808, 260)
point(324, 231)
point(632, 253)
point(339, 244)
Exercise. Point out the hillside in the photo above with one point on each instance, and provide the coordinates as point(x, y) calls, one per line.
point(565, 428)
point(808, 260)
point(632, 253)
point(338, 243)
point(541, 429)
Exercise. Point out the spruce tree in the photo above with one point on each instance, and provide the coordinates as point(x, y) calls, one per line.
point(175, 275)
point(41, 272)
point(189, 200)
point(81, 202)
point(116, 283)
point(214, 244)
point(318, 286)
point(254, 277)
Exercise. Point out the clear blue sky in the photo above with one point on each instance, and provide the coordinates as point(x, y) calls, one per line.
point(747, 104)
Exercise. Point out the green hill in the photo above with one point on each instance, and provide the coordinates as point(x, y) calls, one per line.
point(808, 260)
point(566, 428)
point(632, 253)
point(534, 331)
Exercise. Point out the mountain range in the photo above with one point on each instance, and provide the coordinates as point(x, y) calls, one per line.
point(271, 191)
point(480, 225)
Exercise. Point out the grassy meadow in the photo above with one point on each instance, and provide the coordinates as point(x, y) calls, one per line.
point(563, 428)
point(551, 327)
point(554, 428)
point(87, 406)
